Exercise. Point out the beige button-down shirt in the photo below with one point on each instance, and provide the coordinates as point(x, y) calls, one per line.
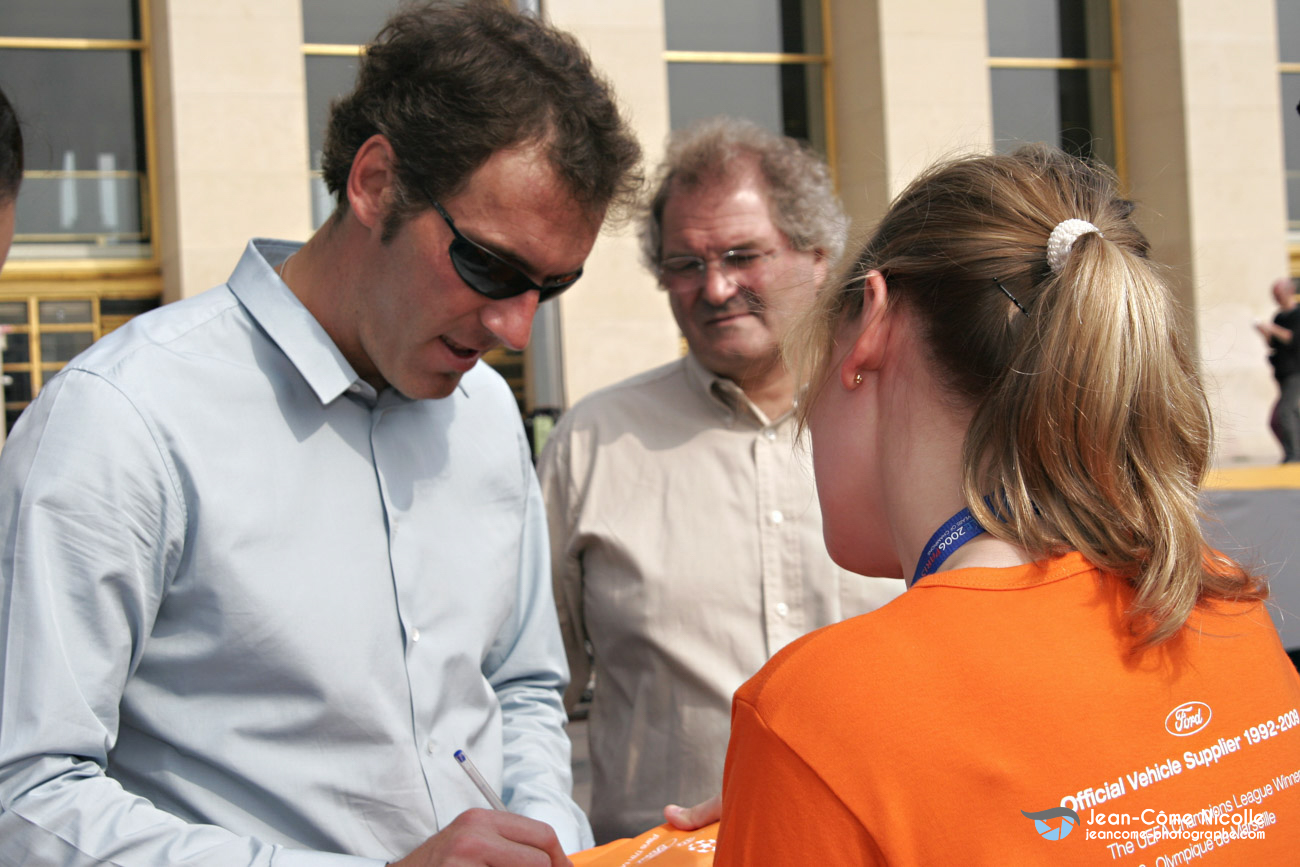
point(687, 548)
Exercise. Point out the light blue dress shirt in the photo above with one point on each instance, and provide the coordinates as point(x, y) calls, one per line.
point(251, 608)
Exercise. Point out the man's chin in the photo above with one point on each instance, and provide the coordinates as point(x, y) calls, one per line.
point(433, 387)
point(732, 355)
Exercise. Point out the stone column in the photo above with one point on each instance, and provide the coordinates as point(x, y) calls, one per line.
point(616, 322)
point(911, 86)
point(232, 133)
point(1204, 133)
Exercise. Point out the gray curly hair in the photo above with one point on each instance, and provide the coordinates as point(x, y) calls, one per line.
point(803, 204)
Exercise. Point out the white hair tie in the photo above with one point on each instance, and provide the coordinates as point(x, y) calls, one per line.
point(1063, 238)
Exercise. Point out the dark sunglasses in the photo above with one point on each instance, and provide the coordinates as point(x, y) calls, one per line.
point(488, 274)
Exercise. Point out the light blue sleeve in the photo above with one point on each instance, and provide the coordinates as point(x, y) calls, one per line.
point(527, 669)
point(94, 526)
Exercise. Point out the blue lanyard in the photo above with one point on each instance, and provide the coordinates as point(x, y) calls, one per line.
point(957, 531)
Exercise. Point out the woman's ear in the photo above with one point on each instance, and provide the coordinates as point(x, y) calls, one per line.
point(867, 351)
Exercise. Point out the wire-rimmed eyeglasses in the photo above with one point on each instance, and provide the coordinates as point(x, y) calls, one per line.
point(682, 273)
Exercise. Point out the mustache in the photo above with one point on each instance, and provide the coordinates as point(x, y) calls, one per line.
point(745, 300)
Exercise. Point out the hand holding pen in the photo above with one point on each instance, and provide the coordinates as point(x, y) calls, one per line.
point(489, 838)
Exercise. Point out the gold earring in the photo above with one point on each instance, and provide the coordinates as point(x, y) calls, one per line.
point(857, 379)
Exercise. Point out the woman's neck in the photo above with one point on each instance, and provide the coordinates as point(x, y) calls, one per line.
point(913, 439)
point(923, 514)
point(922, 476)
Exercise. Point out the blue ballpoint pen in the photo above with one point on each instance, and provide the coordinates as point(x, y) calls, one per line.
point(481, 784)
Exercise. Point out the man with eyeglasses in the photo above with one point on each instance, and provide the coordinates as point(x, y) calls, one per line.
point(275, 553)
point(686, 537)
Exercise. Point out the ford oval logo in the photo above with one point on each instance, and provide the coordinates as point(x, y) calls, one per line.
point(1188, 718)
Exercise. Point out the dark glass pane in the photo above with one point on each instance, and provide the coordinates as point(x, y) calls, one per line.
point(328, 78)
point(17, 349)
point(127, 306)
point(86, 19)
point(1293, 202)
point(344, 22)
point(1049, 28)
point(19, 387)
point(801, 116)
point(84, 151)
point(786, 99)
point(1070, 108)
point(64, 345)
point(96, 207)
point(13, 312)
point(76, 106)
point(1291, 143)
point(63, 312)
point(789, 26)
point(11, 416)
point(1288, 33)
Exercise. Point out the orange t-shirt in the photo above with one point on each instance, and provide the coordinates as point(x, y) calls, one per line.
point(918, 733)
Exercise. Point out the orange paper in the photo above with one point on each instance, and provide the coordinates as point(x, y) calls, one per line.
point(665, 846)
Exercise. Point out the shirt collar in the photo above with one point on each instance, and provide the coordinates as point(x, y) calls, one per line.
point(727, 395)
point(289, 324)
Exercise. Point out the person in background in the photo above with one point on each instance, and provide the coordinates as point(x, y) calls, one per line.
point(1004, 410)
point(686, 541)
point(11, 172)
point(1284, 356)
point(276, 552)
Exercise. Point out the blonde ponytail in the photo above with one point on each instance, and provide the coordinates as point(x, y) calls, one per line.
point(1091, 427)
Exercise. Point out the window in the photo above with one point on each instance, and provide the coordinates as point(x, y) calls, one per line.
point(1288, 34)
point(1054, 77)
point(75, 72)
point(769, 63)
point(43, 331)
point(334, 35)
point(83, 260)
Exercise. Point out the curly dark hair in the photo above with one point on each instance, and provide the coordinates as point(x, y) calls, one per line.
point(11, 151)
point(449, 86)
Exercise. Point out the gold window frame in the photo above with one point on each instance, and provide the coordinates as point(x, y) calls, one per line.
point(92, 268)
point(1111, 64)
point(1292, 247)
point(769, 58)
point(36, 281)
point(92, 289)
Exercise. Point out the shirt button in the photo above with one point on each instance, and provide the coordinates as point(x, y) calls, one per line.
point(415, 635)
point(428, 747)
point(776, 517)
point(770, 434)
point(782, 609)
point(354, 388)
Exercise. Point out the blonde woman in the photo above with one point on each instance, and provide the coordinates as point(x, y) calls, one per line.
point(1005, 414)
